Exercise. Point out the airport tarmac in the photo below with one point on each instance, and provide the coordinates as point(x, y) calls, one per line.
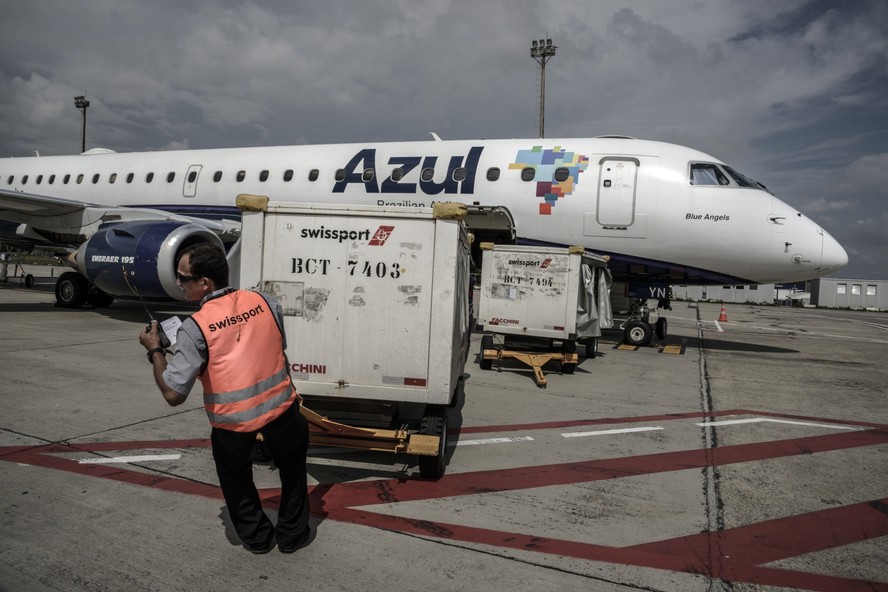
point(747, 454)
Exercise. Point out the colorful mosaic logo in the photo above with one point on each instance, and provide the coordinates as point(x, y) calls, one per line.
point(547, 163)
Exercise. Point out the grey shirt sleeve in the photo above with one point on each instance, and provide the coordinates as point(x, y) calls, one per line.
point(189, 360)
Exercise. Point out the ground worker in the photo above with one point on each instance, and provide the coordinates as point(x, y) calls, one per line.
point(235, 345)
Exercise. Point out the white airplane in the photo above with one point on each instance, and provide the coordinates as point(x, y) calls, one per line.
point(664, 213)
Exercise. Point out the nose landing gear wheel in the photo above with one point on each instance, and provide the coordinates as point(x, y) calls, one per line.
point(661, 328)
point(637, 333)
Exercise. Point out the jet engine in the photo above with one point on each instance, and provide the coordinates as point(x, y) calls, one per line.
point(138, 259)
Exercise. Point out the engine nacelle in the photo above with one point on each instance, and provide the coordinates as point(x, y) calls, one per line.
point(138, 259)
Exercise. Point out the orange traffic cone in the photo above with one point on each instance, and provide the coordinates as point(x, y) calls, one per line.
point(723, 316)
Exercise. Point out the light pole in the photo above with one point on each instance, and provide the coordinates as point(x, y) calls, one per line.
point(542, 51)
point(81, 103)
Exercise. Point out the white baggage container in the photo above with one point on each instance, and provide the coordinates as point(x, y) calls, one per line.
point(375, 300)
point(540, 295)
point(532, 291)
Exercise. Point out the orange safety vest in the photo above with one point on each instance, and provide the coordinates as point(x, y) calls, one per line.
point(246, 381)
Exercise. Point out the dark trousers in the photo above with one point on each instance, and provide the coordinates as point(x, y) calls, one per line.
point(287, 439)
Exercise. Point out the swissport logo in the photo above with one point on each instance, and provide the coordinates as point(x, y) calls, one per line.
point(381, 235)
point(545, 263)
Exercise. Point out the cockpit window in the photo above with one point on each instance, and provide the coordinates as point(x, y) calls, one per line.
point(741, 179)
point(707, 174)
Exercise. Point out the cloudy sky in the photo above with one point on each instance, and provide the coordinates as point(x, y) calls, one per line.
point(792, 93)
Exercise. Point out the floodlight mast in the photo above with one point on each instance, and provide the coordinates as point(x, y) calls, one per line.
point(542, 51)
point(81, 103)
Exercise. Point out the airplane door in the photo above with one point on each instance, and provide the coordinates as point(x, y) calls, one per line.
point(617, 179)
point(189, 189)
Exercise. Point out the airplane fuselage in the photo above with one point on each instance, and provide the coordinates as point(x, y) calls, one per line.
point(663, 212)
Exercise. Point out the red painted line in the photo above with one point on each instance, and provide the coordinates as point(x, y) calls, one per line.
point(681, 560)
point(799, 580)
point(735, 555)
point(451, 485)
point(115, 473)
point(790, 536)
point(730, 554)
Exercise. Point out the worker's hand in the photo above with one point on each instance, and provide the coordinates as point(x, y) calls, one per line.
point(150, 336)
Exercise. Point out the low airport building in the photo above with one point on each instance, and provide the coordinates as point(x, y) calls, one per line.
point(754, 294)
point(855, 294)
point(849, 293)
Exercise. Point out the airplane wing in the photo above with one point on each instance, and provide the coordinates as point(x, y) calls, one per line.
point(60, 221)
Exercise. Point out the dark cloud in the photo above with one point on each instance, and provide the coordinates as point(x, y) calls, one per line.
point(792, 93)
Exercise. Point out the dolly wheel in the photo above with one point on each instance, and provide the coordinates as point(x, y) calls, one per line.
point(486, 343)
point(568, 346)
point(434, 423)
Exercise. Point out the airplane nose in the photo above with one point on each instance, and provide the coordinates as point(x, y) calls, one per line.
point(833, 255)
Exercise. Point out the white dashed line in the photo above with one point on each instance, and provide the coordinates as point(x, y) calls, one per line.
point(769, 420)
point(491, 441)
point(608, 432)
point(128, 459)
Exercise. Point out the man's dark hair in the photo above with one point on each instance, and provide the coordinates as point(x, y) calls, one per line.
point(208, 261)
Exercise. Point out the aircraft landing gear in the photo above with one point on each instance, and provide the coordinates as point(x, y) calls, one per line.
point(638, 330)
point(72, 290)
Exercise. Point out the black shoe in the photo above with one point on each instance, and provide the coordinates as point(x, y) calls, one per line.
point(261, 549)
point(303, 541)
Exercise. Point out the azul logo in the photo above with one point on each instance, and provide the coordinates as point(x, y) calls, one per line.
point(460, 176)
point(552, 182)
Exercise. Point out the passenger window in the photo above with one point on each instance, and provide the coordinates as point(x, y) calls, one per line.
point(192, 176)
point(66, 179)
point(397, 174)
point(460, 174)
point(368, 175)
point(241, 175)
point(25, 179)
point(427, 174)
point(561, 174)
point(707, 174)
point(340, 175)
point(80, 178)
point(149, 177)
point(288, 175)
point(313, 174)
point(51, 179)
point(170, 177)
point(130, 177)
point(263, 176)
point(217, 176)
point(112, 178)
point(39, 179)
point(493, 174)
point(95, 178)
point(527, 174)
point(10, 179)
